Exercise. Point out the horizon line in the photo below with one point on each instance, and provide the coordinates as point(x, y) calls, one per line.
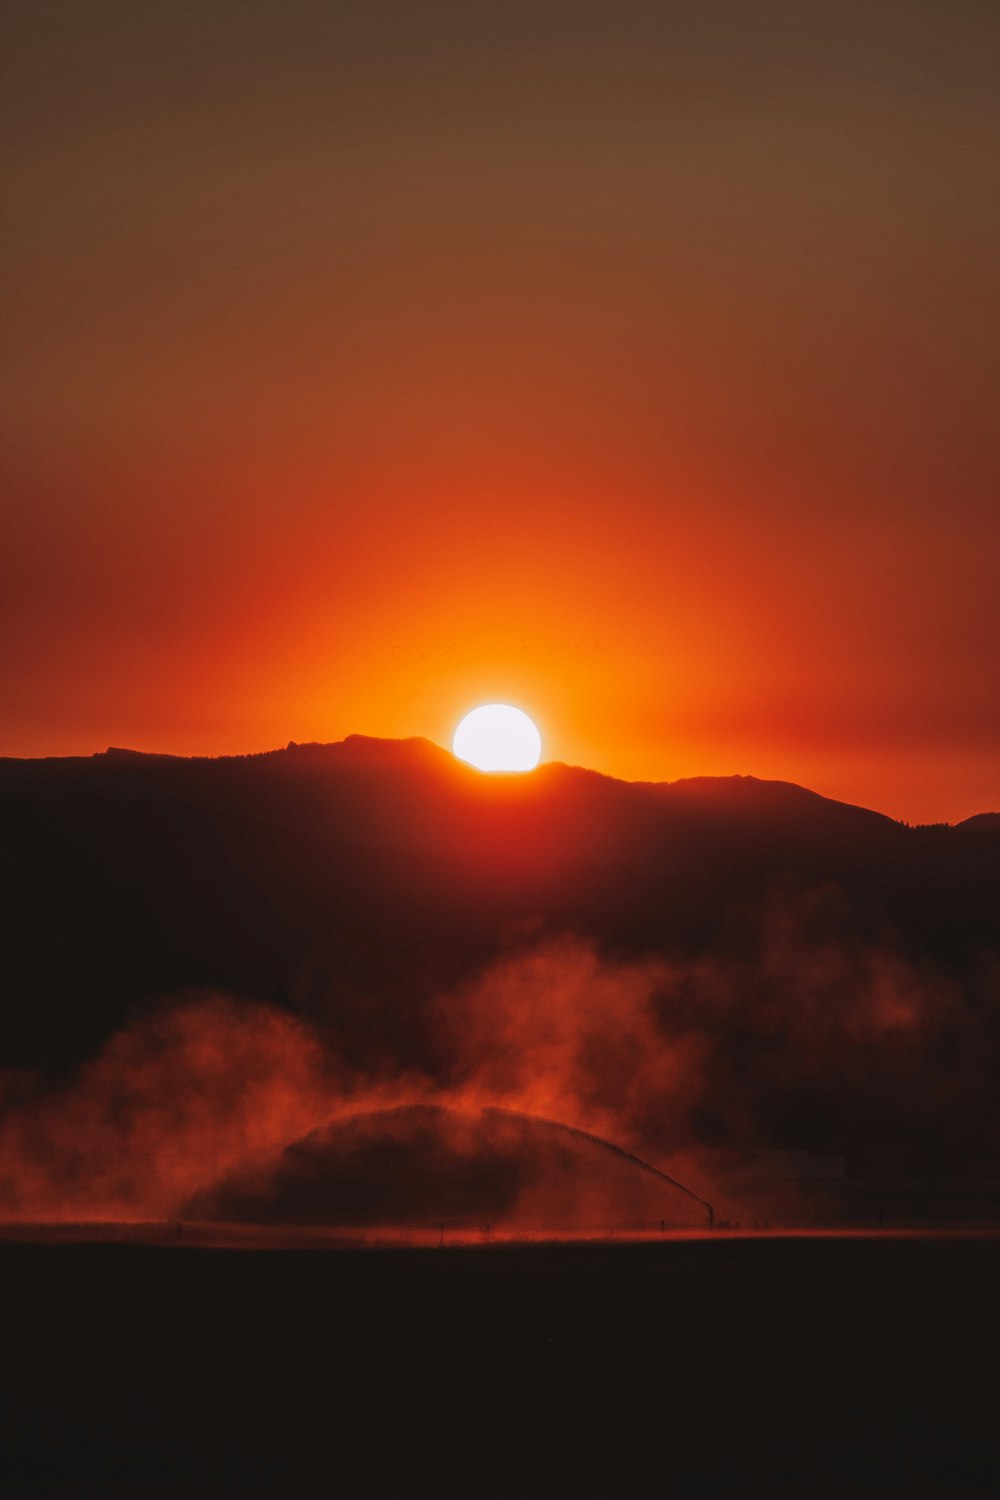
point(419, 739)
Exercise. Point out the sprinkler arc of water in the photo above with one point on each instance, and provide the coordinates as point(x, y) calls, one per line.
point(599, 1140)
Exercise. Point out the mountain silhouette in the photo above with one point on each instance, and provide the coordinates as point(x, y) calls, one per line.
point(364, 876)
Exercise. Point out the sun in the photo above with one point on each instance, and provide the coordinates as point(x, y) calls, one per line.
point(496, 737)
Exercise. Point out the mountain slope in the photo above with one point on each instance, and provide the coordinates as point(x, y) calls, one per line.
point(348, 877)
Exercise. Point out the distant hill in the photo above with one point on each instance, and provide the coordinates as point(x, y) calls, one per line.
point(352, 881)
point(982, 823)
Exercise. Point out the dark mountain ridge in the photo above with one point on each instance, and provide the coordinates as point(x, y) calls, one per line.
point(214, 871)
point(834, 972)
point(359, 867)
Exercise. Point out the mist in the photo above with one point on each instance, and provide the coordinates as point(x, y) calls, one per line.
point(815, 1041)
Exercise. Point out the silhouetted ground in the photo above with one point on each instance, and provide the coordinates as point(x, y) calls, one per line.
point(825, 1364)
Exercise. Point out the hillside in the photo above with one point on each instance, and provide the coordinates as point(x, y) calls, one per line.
point(325, 876)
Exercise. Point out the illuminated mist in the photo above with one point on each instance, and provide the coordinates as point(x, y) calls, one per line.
point(206, 1105)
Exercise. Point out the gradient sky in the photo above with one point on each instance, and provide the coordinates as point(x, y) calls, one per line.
point(635, 363)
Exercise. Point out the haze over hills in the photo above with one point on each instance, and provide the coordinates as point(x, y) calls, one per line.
point(707, 964)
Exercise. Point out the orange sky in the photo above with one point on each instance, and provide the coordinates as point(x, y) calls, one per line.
point(365, 362)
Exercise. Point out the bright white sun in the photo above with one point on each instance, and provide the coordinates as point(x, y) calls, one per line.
point(497, 737)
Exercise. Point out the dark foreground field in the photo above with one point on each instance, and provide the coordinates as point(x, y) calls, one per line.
point(692, 1366)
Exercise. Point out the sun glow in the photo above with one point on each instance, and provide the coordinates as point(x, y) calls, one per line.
point(496, 737)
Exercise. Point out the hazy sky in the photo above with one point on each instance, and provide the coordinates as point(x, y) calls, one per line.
point(636, 363)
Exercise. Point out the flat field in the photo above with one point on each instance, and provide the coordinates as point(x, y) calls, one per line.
point(807, 1364)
